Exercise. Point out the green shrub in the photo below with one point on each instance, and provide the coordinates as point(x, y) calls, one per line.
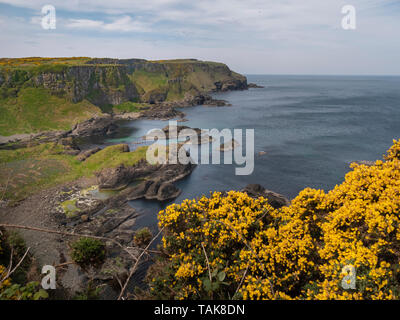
point(88, 252)
point(142, 237)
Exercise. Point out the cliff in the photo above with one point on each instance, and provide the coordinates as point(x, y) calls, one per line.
point(113, 81)
point(99, 85)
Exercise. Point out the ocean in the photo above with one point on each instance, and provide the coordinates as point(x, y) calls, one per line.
point(311, 128)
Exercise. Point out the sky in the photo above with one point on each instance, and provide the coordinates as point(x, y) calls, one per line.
point(250, 36)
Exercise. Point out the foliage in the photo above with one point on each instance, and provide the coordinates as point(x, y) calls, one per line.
point(142, 237)
point(129, 106)
point(15, 287)
point(31, 291)
point(88, 252)
point(91, 292)
point(296, 252)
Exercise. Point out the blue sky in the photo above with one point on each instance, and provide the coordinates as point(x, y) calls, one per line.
point(252, 36)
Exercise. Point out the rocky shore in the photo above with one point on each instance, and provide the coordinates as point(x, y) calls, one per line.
point(99, 206)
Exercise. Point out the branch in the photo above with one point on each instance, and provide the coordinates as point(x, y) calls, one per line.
point(67, 234)
point(241, 281)
point(9, 273)
point(208, 263)
point(133, 270)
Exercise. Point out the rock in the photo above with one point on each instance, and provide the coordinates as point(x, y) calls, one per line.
point(230, 145)
point(72, 152)
point(366, 163)
point(128, 224)
point(83, 155)
point(128, 116)
point(231, 84)
point(159, 184)
point(98, 125)
point(140, 190)
point(68, 142)
point(201, 139)
point(162, 112)
point(274, 199)
point(115, 178)
point(253, 85)
point(3, 203)
point(167, 191)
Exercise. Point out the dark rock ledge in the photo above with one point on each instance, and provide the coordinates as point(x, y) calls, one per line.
point(276, 200)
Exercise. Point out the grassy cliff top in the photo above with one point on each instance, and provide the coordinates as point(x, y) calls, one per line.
point(79, 61)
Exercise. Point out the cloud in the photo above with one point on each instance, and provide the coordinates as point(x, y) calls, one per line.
point(85, 24)
point(121, 24)
point(285, 36)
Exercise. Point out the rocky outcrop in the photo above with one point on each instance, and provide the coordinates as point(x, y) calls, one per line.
point(230, 145)
point(83, 155)
point(276, 200)
point(365, 163)
point(161, 112)
point(159, 185)
point(101, 125)
point(115, 178)
point(255, 86)
point(195, 100)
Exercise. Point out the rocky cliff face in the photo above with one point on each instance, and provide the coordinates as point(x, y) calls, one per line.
point(112, 81)
point(101, 86)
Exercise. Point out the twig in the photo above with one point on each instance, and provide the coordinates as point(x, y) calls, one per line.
point(265, 213)
point(11, 261)
point(208, 263)
point(151, 251)
point(133, 270)
point(241, 281)
point(16, 267)
point(64, 264)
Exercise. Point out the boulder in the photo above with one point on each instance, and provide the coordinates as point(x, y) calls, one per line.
point(230, 145)
point(83, 155)
point(168, 191)
point(253, 85)
point(276, 200)
point(95, 126)
point(115, 178)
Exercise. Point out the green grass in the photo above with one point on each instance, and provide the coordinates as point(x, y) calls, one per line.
point(35, 110)
point(149, 81)
point(28, 170)
point(129, 106)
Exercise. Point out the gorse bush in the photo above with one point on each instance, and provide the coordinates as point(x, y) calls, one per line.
point(88, 252)
point(233, 246)
point(142, 237)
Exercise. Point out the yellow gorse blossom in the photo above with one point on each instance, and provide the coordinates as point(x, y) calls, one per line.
point(296, 252)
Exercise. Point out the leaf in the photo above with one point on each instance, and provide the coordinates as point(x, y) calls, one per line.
point(215, 286)
point(221, 276)
point(41, 294)
point(207, 284)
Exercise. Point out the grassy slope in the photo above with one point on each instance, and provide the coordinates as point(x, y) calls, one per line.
point(35, 110)
point(28, 170)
